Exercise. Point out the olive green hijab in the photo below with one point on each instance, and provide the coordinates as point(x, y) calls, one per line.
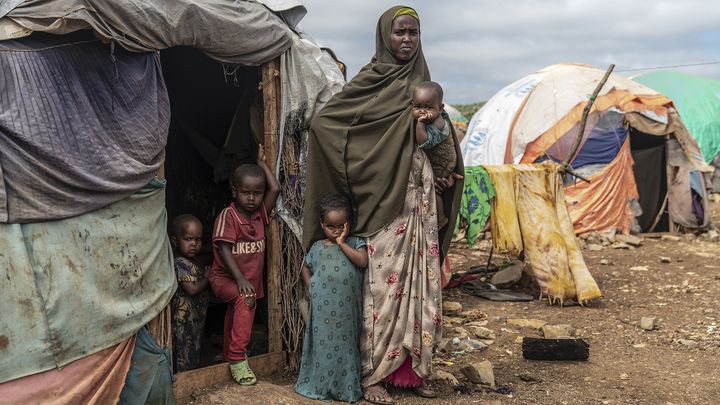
point(361, 143)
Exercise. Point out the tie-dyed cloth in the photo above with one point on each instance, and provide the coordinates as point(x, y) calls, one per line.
point(529, 213)
point(476, 200)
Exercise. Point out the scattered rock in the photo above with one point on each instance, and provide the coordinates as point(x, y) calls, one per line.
point(558, 331)
point(705, 255)
point(605, 262)
point(640, 346)
point(441, 375)
point(624, 376)
point(447, 345)
point(475, 323)
point(473, 314)
point(451, 307)
point(507, 276)
point(670, 238)
point(647, 322)
point(593, 247)
point(452, 320)
point(629, 239)
point(620, 245)
point(519, 340)
point(480, 373)
point(527, 323)
point(687, 342)
point(689, 237)
point(639, 268)
point(501, 318)
point(665, 259)
point(481, 332)
point(712, 235)
point(460, 332)
point(527, 377)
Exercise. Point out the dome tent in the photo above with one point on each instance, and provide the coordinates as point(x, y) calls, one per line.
point(634, 137)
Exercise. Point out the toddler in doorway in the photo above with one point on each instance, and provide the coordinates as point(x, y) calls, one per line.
point(433, 134)
point(190, 301)
point(332, 272)
point(239, 257)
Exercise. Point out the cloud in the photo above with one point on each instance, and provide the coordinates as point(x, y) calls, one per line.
point(474, 48)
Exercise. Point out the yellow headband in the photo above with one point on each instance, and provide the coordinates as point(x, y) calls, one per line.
point(406, 11)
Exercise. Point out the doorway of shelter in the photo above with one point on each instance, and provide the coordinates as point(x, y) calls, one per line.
point(216, 123)
point(650, 170)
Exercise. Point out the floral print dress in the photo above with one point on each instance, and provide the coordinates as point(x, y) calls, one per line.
point(402, 303)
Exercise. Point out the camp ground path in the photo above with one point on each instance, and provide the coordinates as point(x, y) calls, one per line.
point(674, 280)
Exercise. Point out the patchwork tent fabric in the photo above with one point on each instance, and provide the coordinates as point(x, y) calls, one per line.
point(529, 214)
point(75, 286)
point(537, 118)
point(212, 26)
point(88, 138)
point(698, 102)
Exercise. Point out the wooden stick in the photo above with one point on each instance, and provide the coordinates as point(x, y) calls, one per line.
point(271, 113)
point(581, 131)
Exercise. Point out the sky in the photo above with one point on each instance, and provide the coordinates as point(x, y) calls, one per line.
point(476, 47)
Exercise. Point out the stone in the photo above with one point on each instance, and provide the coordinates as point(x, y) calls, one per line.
point(594, 247)
point(629, 239)
point(527, 323)
point(689, 237)
point(475, 323)
point(440, 375)
point(605, 262)
point(452, 320)
point(447, 345)
point(647, 322)
point(480, 373)
point(519, 340)
point(639, 268)
point(620, 245)
point(670, 238)
point(594, 239)
point(665, 259)
point(640, 346)
point(527, 377)
point(473, 314)
point(558, 331)
point(481, 332)
point(460, 332)
point(687, 342)
point(451, 307)
point(507, 276)
point(624, 376)
point(712, 235)
point(499, 318)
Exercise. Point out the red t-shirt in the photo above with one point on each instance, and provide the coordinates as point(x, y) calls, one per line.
point(247, 237)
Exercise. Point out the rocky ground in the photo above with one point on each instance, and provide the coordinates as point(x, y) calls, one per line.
point(670, 357)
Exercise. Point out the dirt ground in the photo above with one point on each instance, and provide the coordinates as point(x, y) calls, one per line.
point(676, 363)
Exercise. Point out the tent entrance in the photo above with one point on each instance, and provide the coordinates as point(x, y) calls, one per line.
point(215, 124)
point(650, 170)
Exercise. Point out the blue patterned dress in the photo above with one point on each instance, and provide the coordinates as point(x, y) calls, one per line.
point(330, 366)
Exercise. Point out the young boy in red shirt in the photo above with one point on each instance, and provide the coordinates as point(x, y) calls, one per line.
point(238, 241)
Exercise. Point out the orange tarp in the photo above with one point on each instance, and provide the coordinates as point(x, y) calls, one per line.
point(602, 204)
point(95, 379)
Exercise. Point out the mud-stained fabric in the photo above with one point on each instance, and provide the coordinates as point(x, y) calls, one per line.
point(76, 286)
point(82, 125)
point(504, 226)
point(95, 379)
point(546, 232)
point(402, 303)
point(602, 204)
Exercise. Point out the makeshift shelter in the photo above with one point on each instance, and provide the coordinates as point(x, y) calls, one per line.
point(92, 119)
point(459, 121)
point(643, 166)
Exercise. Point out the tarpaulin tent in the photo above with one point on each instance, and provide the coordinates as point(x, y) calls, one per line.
point(459, 121)
point(635, 150)
point(697, 99)
point(84, 124)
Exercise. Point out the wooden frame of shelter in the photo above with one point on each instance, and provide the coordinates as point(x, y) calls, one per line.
point(274, 361)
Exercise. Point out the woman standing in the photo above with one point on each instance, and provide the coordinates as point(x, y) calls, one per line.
point(362, 145)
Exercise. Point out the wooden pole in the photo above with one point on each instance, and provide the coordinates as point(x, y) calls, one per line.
point(578, 138)
point(271, 115)
point(669, 176)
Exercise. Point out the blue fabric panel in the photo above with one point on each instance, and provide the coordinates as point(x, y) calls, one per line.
point(601, 147)
point(150, 378)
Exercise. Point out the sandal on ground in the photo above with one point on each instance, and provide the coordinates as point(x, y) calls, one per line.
point(424, 391)
point(376, 394)
point(242, 374)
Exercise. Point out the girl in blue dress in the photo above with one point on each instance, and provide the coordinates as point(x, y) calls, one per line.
point(332, 272)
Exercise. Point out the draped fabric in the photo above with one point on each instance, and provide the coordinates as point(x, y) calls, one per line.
point(82, 125)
